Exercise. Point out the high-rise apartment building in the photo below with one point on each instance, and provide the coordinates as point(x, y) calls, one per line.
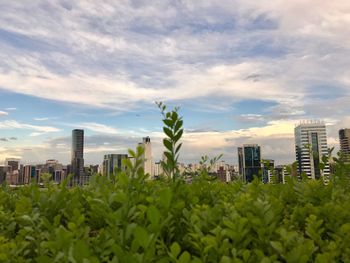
point(249, 161)
point(310, 146)
point(77, 160)
point(147, 156)
point(344, 139)
point(268, 166)
point(112, 161)
point(31, 174)
point(13, 162)
point(4, 170)
point(281, 174)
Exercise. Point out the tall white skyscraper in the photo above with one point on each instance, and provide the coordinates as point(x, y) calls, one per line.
point(148, 160)
point(310, 146)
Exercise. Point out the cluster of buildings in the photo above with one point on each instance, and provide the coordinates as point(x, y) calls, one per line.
point(15, 173)
point(310, 147)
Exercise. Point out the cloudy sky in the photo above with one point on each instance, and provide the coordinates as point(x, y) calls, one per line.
point(242, 71)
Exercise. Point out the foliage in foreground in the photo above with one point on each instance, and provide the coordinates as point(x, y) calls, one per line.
point(132, 219)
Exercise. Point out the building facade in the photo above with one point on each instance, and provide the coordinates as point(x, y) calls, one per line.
point(249, 161)
point(13, 162)
point(112, 161)
point(147, 156)
point(310, 146)
point(4, 170)
point(31, 174)
point(344, 140)
point(77, 158)
point(268, 167)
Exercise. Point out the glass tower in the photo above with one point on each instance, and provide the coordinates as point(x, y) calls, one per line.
point(249, 161)
point(77, 154)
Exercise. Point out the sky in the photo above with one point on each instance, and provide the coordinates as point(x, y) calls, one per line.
point(241, 71)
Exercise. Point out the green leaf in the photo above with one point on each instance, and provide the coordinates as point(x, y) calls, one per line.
point(174, 116)
point(175, 249)
point(141, 236)
point(178, 135)
point(81, 251)
point(178, 125)
point(168, 132)
point(43, 259)
point(165, 196)
point(169, 157)
point(131, 153)
point(168, 122)
point(277, 246)
point(185, 257)
point(225, 259)
point(167, 143)
point(178, 148)
point(153, 215)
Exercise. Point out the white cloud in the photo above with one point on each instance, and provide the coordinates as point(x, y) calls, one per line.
point(44, 118)
point(12, 124)
point(34, 134)
point(97, 127)
point(117, 55)
point(41, 119)
point(3, 113)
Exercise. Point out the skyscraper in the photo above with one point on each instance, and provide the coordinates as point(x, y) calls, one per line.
point(249, 161)
point(310, 146)
point(344, 139)
point(147, 156)
point(77, 155)
point(112, 161)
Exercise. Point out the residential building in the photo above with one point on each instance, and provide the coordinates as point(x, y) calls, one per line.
point(54, 168)
point(310, 146)
point(344, 139)
point(4, 170)
point(249, 160)
point(147, 156)
point(31, 174)
point(12, 177)
point(268, 166)
point(223, 174)
point(280, 174)
point(113, 161)
point(13, 162)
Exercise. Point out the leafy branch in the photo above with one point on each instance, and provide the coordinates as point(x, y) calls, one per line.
point(173, 129)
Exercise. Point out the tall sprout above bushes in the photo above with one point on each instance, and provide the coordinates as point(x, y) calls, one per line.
point(173, 129)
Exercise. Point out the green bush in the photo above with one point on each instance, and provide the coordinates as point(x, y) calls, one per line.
point(138, 220)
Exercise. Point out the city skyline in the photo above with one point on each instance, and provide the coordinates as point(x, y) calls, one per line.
point(242, 72)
